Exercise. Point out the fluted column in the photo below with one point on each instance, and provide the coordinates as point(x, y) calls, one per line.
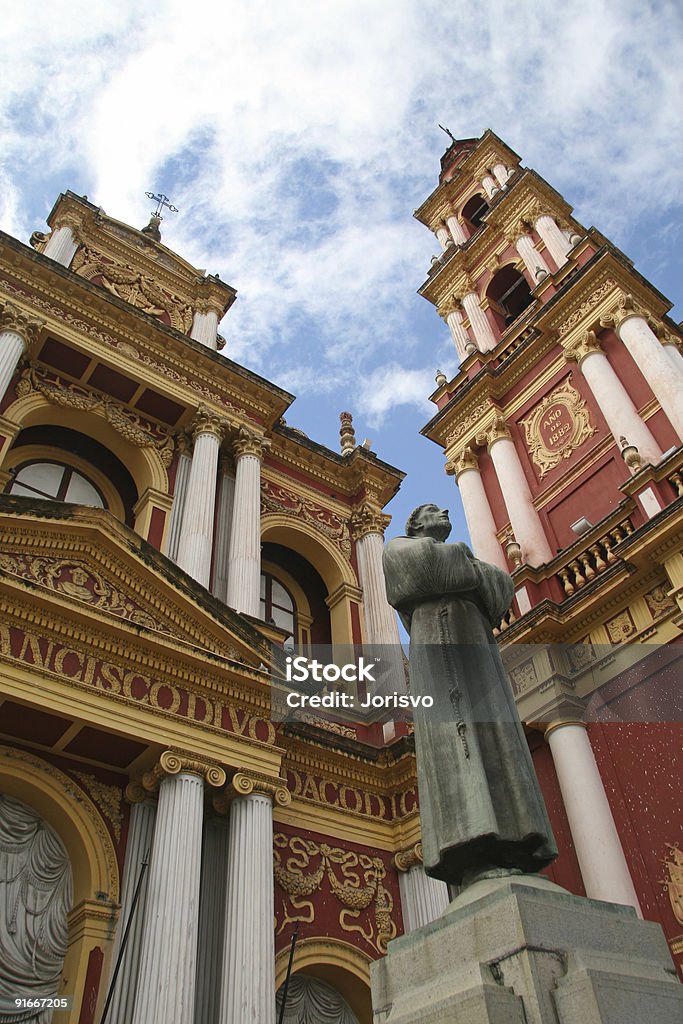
point(673, 353)
point(423, 899)
point(221, 557)
point(205, 329)
point(599, 851)
point(244, 562)
point(533, 259)
point(444, 236)
point(481, 328)
point(196, 534)
point(452, 314)
point(18, 333)
point(524, 518)
point(456, 229)
point(490, 185)
point(211, 921)
point(502, 173)
point(140, 834)
point(556, 242)
point(61, 245)
point(480, 522)
point(612, 397)
point(182, 479)
point(248, 975)
point(649, 355)
point(166, 982)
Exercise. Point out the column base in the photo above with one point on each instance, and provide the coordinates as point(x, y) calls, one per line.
point(521, 950)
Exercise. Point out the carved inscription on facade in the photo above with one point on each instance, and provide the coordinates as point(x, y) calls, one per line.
point(557, 427)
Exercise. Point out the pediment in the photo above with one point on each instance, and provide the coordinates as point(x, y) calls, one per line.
point(90, 567)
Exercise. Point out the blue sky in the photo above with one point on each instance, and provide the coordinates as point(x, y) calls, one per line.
point(296, 144)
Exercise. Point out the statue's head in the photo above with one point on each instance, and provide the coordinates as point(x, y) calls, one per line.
point(428, 521)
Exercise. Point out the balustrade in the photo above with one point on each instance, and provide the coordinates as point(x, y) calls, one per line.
point(595, 559)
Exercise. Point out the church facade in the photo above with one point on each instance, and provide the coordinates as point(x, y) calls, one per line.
point(163, 530)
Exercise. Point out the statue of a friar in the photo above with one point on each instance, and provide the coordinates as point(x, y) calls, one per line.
point(481, 808)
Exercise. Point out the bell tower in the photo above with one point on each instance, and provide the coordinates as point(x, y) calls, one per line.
point(562, 429)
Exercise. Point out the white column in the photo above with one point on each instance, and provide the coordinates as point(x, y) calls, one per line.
point(490, 186)
point(381, 626)
point(557, 243)
point(18, 333)
point(423, 899)
point(182, 479)
point(456, 229)
point(533, 259)
point(524, 518)
point(166, 983)
point(221, 554)
point(212, 903)
point(205, 329)
point(458, 332)
point(196, 534)
point(480, 523)
point(443, 235)
point(140, 833)
point(248, 975)
point(501, 172)
point(481, 328)
point(614, 401)
point(649, 355)
point(674, 354)
point(244, 568)
point(601, 858)
point(61, 245)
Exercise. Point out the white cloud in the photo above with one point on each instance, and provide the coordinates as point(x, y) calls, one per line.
point(295, 142)
point(391, 386)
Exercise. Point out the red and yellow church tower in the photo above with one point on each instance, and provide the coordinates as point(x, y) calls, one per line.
point(562, 429)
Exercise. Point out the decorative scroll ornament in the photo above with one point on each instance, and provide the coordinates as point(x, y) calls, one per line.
point(134, 287)
point(75, 396)
point(557, 427)
point(466, 459)
point(466, 423)
point(498, 430)
point(368, 518)
point(245, 783)
point(355, 880)
point(406, 859)
point(175, 762)
point(107, 798)
point(581, 347)
point(625, 308)
point(587, 306)
point(13, 319)
point(674, 883)
point(275, 498)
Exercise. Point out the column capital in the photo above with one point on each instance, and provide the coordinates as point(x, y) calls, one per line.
point(462, 461)
point(448, 306)
point(534, 212)
point(175, 762)
point(625, 308)
point(27, 327)
point(465, 286)
point(135, 792)
point(368, 518)
point(67, 219)
point(207, 422)
point(248, 443)
point(497, 431)
point(581, 347)
point(406, 859)
point(248, 783)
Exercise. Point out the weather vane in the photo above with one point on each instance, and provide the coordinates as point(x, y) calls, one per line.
point(448, 132)
point(161, 200)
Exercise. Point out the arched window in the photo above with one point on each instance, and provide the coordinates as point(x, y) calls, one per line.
point(509, 295)
point(474, 210)
point(277, 604)
point(55, 481)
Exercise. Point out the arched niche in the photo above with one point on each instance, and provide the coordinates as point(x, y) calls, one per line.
point(508, 294)
point(78, 823)
point(337, 963)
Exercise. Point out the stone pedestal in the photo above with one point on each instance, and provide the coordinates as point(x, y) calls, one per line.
point(520, 950)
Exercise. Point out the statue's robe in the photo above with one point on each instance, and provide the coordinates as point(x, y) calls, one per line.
point(480, 803)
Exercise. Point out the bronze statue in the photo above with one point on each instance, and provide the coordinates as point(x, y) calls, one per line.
point(481, 808)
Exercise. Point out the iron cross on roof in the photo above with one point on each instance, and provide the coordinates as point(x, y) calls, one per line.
point(161, 200)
